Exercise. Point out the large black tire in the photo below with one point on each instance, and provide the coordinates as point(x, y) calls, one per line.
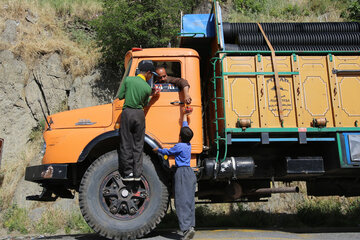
point(117, 210)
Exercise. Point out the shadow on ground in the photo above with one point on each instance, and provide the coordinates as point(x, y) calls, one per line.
point(156, 234)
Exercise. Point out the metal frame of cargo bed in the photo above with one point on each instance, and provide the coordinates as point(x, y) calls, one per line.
point(222, 135)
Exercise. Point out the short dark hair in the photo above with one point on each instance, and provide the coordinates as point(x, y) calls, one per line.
point(186, 134)
point(146, 65)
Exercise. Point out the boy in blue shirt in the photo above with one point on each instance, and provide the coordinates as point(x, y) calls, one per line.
point(184, 179)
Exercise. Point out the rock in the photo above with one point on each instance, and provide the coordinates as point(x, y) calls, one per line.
point(85, 92)
point(67, 205)
point(48, 85)
point(16, 121)
point(31, 17)
point(203, 7)
point(24, 189)
point(36, 214)
point(23, 91)
point(9, 33)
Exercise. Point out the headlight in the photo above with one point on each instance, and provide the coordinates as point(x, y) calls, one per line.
point(41, 154)
point(43, 150)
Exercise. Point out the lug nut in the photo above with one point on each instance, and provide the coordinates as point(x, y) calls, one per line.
point(113, 210)
point(132, 211)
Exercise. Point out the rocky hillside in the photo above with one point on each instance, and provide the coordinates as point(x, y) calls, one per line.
point(42, 69)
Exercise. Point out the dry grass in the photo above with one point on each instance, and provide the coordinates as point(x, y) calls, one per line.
point(15, 171)
point(82, 9)
point(46, 35)
point(51, 221)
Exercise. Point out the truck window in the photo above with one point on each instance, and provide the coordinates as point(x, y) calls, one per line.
point(126, 73)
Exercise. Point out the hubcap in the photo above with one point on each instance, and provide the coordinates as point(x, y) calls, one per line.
point(123, 200)
point(125, 193)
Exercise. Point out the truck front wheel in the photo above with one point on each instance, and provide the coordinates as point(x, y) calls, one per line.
point(117, 209)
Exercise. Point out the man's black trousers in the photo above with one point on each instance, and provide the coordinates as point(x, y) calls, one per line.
point(132, 134)
point(185, 186)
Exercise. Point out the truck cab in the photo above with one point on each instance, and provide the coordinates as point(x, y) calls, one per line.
point(81, 149)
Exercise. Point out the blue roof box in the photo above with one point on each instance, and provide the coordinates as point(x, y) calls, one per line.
point(198, 25)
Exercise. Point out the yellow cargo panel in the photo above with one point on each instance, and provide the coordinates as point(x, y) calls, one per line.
point(345, 90)
point(241, 97)
point(271, 113)
point(310, 91)
point(314, 91)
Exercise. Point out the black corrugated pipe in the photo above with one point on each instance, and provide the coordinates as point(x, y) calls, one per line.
point(335, 38)
point(235, 47)
point(232, 30)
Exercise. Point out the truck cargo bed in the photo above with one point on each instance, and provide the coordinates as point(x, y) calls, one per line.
point(312, 88)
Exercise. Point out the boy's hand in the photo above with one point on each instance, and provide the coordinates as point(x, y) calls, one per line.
point(155, 150)
point(188, 110)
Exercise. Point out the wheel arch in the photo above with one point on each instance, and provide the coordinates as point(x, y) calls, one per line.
point(109, 141)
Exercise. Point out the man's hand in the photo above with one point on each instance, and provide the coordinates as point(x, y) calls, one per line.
point(155, 92)
point(187, 95)
point(188, 99)
point(155, 150)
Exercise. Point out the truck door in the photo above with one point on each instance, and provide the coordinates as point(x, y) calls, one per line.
point(164, 116)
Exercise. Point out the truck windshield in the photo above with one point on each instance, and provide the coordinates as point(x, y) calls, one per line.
point(126, 73)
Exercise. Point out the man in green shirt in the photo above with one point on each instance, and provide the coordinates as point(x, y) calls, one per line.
point(136, 92)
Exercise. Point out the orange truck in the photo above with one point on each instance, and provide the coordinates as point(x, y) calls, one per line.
point(271, 102)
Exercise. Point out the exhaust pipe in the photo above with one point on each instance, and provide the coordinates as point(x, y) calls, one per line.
point(262, 191)
point(234, 191)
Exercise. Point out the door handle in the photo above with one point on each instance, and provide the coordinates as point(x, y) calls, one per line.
point(337, 71)
point(177, 103)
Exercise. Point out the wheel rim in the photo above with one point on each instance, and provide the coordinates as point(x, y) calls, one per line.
point(123, 200)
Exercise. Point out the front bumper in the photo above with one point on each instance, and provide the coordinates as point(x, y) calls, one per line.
point(54, 179)
point(47, 173)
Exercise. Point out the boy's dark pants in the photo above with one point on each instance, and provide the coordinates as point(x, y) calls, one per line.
point(132, 134)
point(185, 186)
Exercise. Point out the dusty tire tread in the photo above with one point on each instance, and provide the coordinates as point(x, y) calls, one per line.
point(126, 235)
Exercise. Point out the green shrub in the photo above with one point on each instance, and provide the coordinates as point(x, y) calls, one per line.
point(49, 223)
point(321, 213)
point(252, 6)
point(127, 24)
point(36, 132)
point(283, 10)
point(354, 10)
point(290, 11)
point(319, 6)
point(16, 219)
point(329, 212)
point(353, 210)
point(76, 222)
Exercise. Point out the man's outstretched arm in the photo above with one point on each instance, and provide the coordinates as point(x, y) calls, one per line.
point(183, 85)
